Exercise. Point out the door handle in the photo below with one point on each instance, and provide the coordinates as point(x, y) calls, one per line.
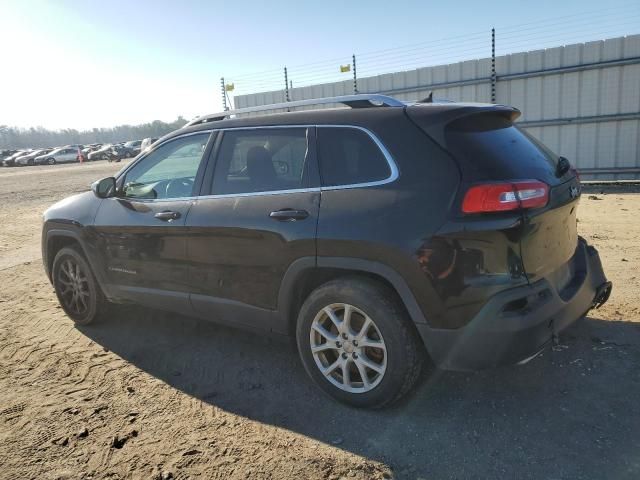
point(289, 215)
point(167, 215)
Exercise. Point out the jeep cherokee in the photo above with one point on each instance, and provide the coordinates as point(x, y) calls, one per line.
point(378, 236)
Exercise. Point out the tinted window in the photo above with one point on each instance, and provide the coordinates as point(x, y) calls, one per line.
point(167, 172)
point(492, 147)
point(349, 156)
point(261, 160)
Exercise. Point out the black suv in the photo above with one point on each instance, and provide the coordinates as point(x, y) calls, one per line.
point(378, 235)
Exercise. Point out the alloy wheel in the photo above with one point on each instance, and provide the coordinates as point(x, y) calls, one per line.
point(73, 287)
point(348, 348)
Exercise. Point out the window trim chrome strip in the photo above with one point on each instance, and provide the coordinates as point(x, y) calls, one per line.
point(394, 175)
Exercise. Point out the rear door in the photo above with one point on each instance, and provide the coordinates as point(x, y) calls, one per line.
point(258, 215)
point(141, 239)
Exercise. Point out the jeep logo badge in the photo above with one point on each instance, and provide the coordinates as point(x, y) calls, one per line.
point(574, 191)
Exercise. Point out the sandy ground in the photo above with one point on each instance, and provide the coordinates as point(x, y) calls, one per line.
point(155, 395)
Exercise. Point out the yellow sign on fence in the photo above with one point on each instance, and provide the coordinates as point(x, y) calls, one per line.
point(229, 87)
point(345, 68)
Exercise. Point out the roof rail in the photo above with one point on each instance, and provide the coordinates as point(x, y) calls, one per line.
point(353, 101)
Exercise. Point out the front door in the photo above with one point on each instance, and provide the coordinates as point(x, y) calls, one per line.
point(140, 233)
point(257, 216)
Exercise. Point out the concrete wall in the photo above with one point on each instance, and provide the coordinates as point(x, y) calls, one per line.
point(582, 100)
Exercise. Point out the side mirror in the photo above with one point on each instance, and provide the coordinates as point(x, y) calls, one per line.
point(104, 188)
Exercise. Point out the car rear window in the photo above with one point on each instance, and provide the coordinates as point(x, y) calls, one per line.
point(492, 147)
point(349, 156)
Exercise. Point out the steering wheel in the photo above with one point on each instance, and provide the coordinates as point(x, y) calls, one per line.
point(181, 187)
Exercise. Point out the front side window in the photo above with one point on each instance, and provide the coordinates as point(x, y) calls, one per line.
point(167, 172)
point(349, 156)
point(261, 160)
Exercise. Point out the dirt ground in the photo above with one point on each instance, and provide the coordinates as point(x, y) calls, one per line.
point(155, 395)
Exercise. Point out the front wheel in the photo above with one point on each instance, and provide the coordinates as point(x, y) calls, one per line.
point(358, 344)
point(76, 288)
point(51, 161)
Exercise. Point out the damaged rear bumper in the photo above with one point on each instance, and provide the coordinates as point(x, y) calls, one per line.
point(516, 324)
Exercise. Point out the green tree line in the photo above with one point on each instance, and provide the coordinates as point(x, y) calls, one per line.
point(39, 137)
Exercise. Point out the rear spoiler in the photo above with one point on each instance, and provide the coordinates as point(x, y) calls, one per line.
point(434, 117)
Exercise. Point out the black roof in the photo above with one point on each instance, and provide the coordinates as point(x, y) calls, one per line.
point(370, 117)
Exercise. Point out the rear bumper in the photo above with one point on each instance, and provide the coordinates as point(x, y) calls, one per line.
point(516, 324)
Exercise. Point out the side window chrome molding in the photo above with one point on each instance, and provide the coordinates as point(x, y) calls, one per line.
point(392, 164)
point(395, 173)
point(259, 194)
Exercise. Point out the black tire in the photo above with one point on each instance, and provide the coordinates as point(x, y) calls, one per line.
point(404, 350)
point(30, 163)
point(51, 161)
point(93, 305)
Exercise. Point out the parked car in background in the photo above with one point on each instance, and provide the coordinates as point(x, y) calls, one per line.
point(6, 153)
point(146, 143)
point(132, 148)
point(91, 148)
point(118, 152)
point(10, 161)
point(105, 152)
point(29, 158)
point(59, 155)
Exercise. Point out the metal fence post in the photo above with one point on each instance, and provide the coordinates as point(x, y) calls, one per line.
point(493, 65)
point(224, 94)
point(355, 77)
point(286, 85)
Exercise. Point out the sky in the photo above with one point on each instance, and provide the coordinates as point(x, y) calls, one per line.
point(89, 63)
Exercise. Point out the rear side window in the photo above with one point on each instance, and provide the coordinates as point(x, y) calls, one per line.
point(261, 160)
point(492, 147)
point(349, 156)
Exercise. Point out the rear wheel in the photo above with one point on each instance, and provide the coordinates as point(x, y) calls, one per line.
point(357, 343)
point(76, 288)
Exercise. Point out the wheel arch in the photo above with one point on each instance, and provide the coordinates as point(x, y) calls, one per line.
point(55, 241)
point(306, 274)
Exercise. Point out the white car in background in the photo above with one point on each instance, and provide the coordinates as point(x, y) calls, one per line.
point(59, 155)
point(146, 143)
point(30, 158)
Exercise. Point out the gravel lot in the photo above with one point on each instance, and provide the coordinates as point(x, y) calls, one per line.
point(155, 395)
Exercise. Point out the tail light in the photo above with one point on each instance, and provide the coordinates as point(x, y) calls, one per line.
point(505, 196)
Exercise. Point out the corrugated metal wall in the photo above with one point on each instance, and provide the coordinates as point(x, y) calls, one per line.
point(582, 100)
